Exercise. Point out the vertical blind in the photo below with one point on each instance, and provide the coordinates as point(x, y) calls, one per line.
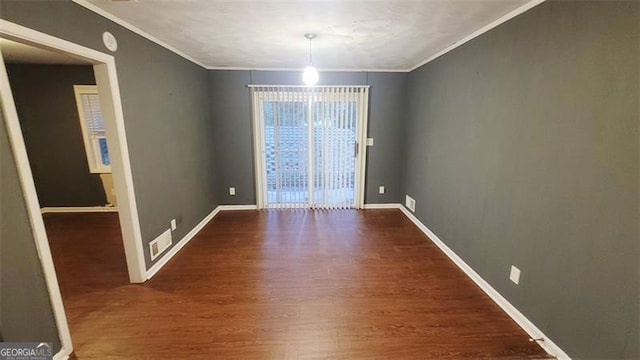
point(308, 139)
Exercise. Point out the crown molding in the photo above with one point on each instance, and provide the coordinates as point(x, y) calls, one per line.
point(301, 69)
point(89, 6)
point(510, 15)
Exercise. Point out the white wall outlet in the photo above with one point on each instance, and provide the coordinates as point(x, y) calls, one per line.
point(232, 191)
point(410, 203)
point(380, 189)
point(514, 275)
point(369, 141)
point(173, 224)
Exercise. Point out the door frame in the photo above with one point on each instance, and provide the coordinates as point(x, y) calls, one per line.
point(107, 81)
point(259, 142)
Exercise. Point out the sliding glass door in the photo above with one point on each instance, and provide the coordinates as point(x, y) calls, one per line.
point(307, 142)
point(286, 142)
point(334, 151)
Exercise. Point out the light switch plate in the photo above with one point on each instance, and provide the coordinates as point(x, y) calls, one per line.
point(369, 141)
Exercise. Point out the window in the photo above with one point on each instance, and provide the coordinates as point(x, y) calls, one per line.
point(307, 147)
point(92, 124)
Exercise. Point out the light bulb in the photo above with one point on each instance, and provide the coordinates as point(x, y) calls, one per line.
point(310, 75)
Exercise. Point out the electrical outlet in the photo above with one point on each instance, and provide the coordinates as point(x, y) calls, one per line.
point(514, 275)
point(410, 203)
point(173, 224)
point(380, 189)
point(232, 191)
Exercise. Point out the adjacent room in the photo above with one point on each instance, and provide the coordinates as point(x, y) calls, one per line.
point(320, 180)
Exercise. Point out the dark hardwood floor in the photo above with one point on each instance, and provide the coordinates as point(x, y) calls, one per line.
point(279, 285)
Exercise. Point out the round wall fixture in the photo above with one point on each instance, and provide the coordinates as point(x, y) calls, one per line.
point(109, 41)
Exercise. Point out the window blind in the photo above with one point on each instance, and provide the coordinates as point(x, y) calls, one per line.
point(309, 144)
point(93, 115)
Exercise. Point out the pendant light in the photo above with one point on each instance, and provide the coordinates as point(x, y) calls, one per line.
point(310, 74)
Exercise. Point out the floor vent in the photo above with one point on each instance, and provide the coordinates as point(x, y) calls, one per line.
point(160, 244)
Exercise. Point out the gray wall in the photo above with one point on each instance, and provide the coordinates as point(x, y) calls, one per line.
point(231, 113)
point(26, 313)
point(387, 108)
point(522, 148)
point(231, 116)
point(166, 113)
point(51, 129)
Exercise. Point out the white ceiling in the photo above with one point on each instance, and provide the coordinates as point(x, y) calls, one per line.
point(15, 52)
point(364, 35)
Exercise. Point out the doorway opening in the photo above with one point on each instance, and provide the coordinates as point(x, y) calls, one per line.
point(310, 144)
point(51, 49)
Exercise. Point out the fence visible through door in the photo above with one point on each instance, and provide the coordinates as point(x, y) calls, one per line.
point(308, 142)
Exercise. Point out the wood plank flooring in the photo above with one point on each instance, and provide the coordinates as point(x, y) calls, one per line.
point(279, 285)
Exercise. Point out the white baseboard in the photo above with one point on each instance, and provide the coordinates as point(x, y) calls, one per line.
point(238, 207)
point(533, 331)
point(174, 250)
point(382, 206)
point(63, 354)
point(78, 209)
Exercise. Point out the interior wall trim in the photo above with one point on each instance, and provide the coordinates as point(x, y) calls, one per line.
point(191, 234)
point(508, 16)
point(184, 241)
point(86, 4)
point(77, 209)
point(382, 206)
point(527, 325)
point(237, 207)
point(104, 68)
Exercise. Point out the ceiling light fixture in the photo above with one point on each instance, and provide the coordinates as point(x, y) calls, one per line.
point(310, 74)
